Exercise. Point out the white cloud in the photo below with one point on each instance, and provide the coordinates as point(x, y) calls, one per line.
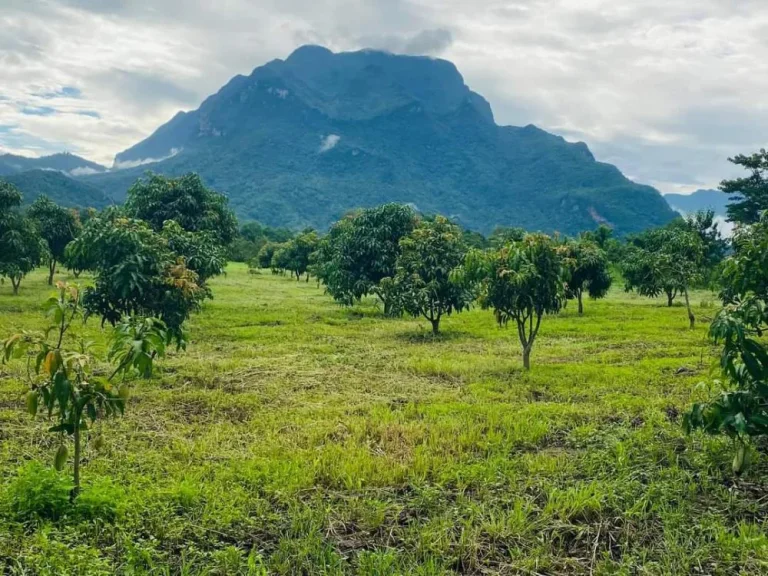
point(665, 89)
point(142, 161)
point(329, 142)
point(83, 171)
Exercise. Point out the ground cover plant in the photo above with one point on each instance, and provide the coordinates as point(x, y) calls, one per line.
point(296, 436)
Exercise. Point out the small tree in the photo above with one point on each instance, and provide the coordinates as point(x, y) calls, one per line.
point(428, 257)
point(669, 260)
point(64, 384)
point(21, 247)
point(298, 253)
point(586, 269)
point(740, 409)
point(749, 196)
point(267, 252)
point(58, 227)
point(137, 274)
point(362, 249)
point(522, 282)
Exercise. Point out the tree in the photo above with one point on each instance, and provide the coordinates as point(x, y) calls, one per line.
point(201, 251)
point(424, 280)
point(267, 252)
point(185, 200)
point(58, 227)
point(586, 268)
point(601, 236)
point(740, 409)
point(521, 281)
point(137, 274)
point(298, 253)
point(749, 196)
point(362, 249)
point(502, 235)
point(66, 386)
point(666, 260)
point(21, 247)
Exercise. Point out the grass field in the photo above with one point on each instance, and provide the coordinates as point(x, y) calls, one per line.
point(298, 437)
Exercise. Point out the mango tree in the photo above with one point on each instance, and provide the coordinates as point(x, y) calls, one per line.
point(22, 249)
point(740, 409)
point(669, 260)
point(361, 250)
point(424, 278)
point(522, 282)
point(62, 382)
point(586, 268)
point(58, 227)
point(137, 274)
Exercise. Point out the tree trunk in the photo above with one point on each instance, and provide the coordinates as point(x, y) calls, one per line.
point(307, 277)
point(76, 488)
point(581, 304)
point(435, 326)
point(76, 273)
point(51, 271)
point(527, 357)
point(670, 298)
point(691, 317)
point(15, 284)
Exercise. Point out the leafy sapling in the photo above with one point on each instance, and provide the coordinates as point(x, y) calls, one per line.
point(61, 377)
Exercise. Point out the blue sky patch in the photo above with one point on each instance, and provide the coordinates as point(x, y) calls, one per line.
point(38, 111)
point(63, 92)
point(91, 113)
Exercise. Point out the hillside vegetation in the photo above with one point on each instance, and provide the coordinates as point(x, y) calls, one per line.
point(299, 437)
point(301, 141)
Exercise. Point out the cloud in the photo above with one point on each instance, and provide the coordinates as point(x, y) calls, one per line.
point(329, 142)
point(83, 171)
point(142, 161)
point(38, 111)
point(665, 89)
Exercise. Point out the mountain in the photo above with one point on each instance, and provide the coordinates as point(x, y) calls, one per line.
point(699, 200)
point(64, 162)
point(60, 188)
point(301, 141)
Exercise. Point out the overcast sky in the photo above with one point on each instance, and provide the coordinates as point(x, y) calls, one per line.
point(664, 89)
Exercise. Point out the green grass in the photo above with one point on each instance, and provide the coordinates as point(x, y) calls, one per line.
point(298, 437)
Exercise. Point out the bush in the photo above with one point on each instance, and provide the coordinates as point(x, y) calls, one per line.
point(39, 492)
point(100, 500)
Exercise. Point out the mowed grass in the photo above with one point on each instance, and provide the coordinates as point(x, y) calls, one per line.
point(299, 437)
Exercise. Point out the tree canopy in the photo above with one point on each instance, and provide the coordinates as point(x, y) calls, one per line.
point(21, 247)
point(362, 249)
point(522, 282)
point(424, 281)
point(185, 200)
point(749, 196)
point(586, 268)
point(58, 227)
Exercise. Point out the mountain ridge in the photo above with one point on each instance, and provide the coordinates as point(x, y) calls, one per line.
point(301, 141)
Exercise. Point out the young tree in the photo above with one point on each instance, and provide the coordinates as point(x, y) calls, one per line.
point(424, 281)
point(522, 282)
point(21, 247)
point(586, 269)
point(185, 200)
point(58, 227)
point(65, 385)
point(668, 260)
point(740, 409)
point(299, 251)
point(137, 274)
point(362, 249)
point(267, 252)
point(749, 196)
